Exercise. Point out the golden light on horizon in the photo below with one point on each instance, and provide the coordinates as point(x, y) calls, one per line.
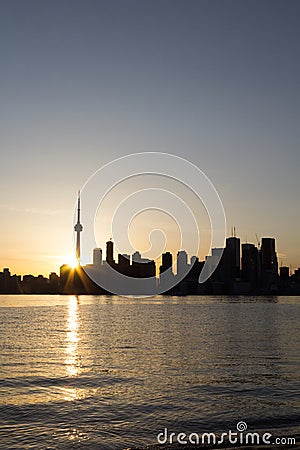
point(71, 260)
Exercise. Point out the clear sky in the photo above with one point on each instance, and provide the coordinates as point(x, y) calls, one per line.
point(84, 82)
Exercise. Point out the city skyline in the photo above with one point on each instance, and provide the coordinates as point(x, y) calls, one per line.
point(238, 269)
point(112, 256)
point(83, 83)
point(149, 245)
point(73, 259)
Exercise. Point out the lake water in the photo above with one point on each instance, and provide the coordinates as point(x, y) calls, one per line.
point(97, 372)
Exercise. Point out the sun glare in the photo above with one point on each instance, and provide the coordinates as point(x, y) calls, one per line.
point(71, 260)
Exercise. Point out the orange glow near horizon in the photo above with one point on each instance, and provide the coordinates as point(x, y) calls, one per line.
point(71, 260)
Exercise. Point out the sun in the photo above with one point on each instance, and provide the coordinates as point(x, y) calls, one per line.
point(71, 260)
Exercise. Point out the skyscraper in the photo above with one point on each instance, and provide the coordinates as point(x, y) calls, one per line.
point(97, 257)
point(268, 255)
point(182, 264)
point(232, 255)
point(269, 266)
point(124, 266)
point(110, 252)
point(250, 265)
point(167, 261)
point(166, 275)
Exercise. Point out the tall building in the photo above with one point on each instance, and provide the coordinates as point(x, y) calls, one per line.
point(54, 283)
point(192, 278)
point(212, 260)
point(232, 257)
point(167, 262)
point(284, 273)
point(6, 279)
point(269, 266)
point(124, 264)
point(78, 228)
point(66, 279)
point(110, 252)
point(182, 264)
point(268, 255)
point(250, 265)
point(166, 275)
point(97, 257)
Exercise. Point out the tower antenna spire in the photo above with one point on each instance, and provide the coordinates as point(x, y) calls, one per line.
point(78, 228)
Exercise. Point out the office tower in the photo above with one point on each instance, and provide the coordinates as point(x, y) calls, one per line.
point(6, 279)
point(97, 257)
point(182, 265)
point(296, 275)
point(250, 265)
point(268, 255)
point(269, 266)
point(167, 261)
point(284, 280)
point(284, 273)
point(66, 279)
point(166, 275)
point(124, 264)
point(196, 267)
point(53, 283)
point(232, 257)
point(110, 252)
point(78, 228)
point(212, 260)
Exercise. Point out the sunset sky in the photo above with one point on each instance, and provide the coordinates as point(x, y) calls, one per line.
point(85, 82)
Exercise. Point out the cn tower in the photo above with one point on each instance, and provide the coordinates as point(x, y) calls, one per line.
point(78, 228)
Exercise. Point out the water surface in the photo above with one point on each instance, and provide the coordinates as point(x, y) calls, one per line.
point(109, 372)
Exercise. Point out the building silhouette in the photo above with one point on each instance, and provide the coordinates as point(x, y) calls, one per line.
point(236, 270)
point(167, 262)
point(258, 274)
point(124, 266)
point(97, 257)
point(250, 266)
point(232, 254)
point(166, 275)
point(78, 228)
point(269, 265)
point(182, 264)
point(110, 252)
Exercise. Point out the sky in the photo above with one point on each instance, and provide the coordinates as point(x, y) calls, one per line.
point(85, 82)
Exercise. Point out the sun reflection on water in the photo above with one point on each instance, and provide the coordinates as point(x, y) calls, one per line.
point(72, 359)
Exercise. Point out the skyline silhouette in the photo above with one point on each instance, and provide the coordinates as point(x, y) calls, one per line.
point(132, 309)
point(82, 86)
point(244, 269)
point(232, 269)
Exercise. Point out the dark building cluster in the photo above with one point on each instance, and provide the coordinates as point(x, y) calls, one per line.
point(242, 270)
point(28, 284)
